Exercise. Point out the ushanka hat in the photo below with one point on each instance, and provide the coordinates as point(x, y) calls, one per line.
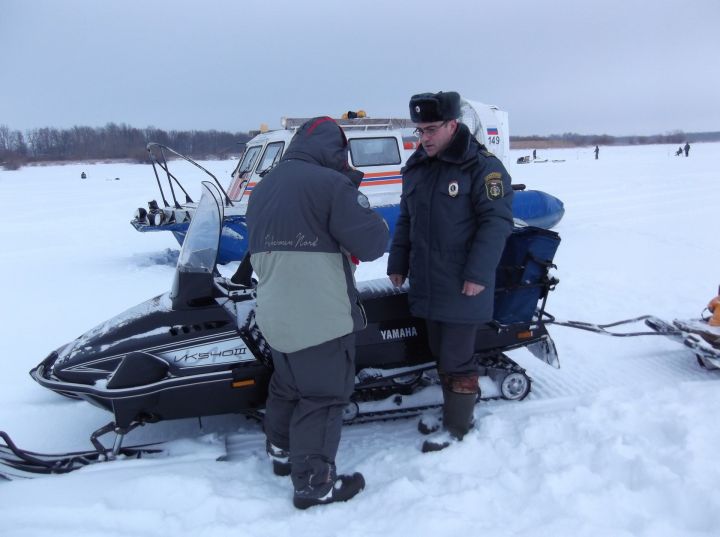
point(429, 107)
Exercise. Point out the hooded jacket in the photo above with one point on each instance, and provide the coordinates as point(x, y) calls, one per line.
point(455, 216)
point(305, 218)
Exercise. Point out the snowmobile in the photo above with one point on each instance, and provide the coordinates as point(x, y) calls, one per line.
point(197, 350)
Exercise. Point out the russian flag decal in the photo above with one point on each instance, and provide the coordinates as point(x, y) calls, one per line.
point(492, 131)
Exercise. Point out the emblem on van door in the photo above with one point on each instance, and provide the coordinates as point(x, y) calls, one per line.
point(453, 188)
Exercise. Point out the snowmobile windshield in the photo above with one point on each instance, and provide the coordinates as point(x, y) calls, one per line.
point(200, 247)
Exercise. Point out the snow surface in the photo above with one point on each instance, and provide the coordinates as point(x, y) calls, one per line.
point(622, 440)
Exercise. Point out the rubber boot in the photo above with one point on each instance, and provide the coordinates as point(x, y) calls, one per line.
point(457, 420)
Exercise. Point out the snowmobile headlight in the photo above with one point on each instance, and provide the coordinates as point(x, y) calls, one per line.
point(141, 215)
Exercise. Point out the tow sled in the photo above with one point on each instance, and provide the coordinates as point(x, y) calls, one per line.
point(696, 334)
point(197, 350)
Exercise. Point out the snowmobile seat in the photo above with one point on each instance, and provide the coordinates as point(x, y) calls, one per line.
point(522, 277)
point(379, 288)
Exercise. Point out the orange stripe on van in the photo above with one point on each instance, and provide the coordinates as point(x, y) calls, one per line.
point(382, 174)
point(379, 183)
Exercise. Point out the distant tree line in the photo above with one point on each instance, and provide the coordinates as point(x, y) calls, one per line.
point(112, 141)
point(572, 139)
point(122, 141)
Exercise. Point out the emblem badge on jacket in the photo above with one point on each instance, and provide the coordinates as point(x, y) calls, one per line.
point(494, 186)
point(453, 188)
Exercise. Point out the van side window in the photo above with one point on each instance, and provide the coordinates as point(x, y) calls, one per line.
point(374, 151)
point(272, 155)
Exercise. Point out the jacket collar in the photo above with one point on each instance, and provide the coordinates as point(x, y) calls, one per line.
point(458, 152)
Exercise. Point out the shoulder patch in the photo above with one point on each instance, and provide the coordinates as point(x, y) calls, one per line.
point(494, 186)
point(363, 201)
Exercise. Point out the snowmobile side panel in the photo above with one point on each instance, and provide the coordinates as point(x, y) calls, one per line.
point(206, 394)
point(190, 341)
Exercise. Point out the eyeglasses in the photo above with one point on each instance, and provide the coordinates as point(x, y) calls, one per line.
point(430, 131)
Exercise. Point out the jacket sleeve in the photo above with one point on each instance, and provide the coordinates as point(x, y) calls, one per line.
point(354, 225)
point(494, 221)
point(399, 258)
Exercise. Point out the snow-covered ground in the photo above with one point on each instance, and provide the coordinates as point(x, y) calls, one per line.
point(622, 440)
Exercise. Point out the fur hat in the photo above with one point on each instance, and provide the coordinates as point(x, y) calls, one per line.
point(429, 107)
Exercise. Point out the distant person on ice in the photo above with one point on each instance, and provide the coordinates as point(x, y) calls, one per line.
point(305, 218)
point(534, 154)
point(597, 152)
point(679, 152)
point(465, 190)
point(687, 148)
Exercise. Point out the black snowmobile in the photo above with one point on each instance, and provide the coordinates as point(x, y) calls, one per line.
point(197, 351)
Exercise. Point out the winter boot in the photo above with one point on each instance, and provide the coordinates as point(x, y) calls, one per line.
point(280, 459)
point(429, 422)
point(325, 487)
point(457, 420)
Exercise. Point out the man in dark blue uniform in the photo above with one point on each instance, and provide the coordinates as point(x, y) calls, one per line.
point(455, 216)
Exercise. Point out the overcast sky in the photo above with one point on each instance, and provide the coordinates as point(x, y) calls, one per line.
point(610, 66)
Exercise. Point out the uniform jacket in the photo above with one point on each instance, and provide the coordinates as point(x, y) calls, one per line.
point(304, 219)
point(455, 216)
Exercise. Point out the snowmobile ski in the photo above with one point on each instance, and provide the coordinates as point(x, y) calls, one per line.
point(17, 463)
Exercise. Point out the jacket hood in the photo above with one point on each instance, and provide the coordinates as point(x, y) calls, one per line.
point(322, 141)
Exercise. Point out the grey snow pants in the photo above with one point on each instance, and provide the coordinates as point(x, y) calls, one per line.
point(307, 394)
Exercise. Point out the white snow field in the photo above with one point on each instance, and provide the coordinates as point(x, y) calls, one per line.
point(622, 440)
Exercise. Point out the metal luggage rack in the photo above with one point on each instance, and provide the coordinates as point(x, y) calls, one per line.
point(364, 123)
point(158, 158)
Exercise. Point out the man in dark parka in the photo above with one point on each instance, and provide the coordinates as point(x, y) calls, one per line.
point(455, 216)
point(306, 220)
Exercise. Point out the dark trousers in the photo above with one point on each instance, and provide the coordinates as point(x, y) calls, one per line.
point(453, 346)
point(307, 394)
